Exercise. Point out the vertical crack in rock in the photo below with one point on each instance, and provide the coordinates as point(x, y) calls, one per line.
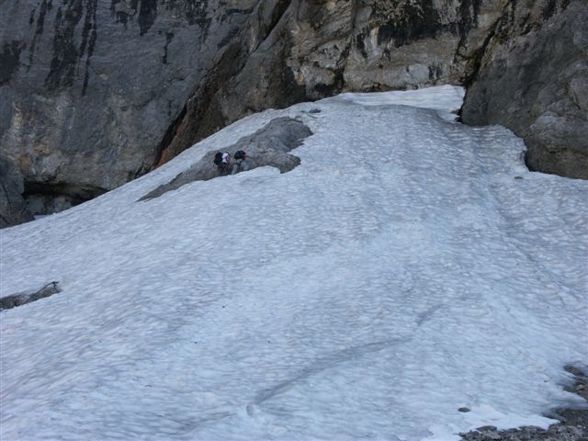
point(182, 131)
point(169, 36)
point(44, 7)
point(147, 15)
point(121, 16)
point(89, 36)
point(196, 11)
point(474, 60)
point(65, 54)
point(9, 60)
point(470, 11)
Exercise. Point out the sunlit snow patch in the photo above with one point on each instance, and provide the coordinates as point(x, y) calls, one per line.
point(446, 99)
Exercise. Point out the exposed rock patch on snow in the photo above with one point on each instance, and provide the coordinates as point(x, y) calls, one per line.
point(23, 298)
point(268, 146)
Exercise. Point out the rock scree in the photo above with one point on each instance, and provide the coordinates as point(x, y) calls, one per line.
point(573, 425)
point(269, 146)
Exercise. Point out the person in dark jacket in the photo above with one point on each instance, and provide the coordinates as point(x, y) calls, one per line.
point(240, 163)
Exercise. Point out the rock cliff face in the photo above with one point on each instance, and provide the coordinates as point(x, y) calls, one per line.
point(533, 78)
point(88, 88)
point(95, 93)
point(322, 47)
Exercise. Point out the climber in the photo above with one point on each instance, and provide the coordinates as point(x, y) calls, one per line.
point(240, 163)
point(222, 162)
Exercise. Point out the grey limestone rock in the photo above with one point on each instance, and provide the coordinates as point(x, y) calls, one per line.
point(533, 79)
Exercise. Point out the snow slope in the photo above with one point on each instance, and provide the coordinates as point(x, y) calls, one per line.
point(402, 271)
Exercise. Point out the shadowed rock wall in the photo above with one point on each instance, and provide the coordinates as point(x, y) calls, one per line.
point(533, 79)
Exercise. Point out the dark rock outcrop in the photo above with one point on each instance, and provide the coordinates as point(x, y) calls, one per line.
point(12, 205)
point(268, 146)
point(533, 79)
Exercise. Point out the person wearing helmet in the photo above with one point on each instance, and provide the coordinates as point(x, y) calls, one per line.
point(240, 162)
point(222, 162)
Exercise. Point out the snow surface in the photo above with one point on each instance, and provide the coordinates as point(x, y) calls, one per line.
point(402, 271)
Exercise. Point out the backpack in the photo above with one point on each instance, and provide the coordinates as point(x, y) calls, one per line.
point(239, 154)
point(218, 159)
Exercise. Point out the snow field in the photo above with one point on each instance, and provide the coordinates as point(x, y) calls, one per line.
point(399, 273)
